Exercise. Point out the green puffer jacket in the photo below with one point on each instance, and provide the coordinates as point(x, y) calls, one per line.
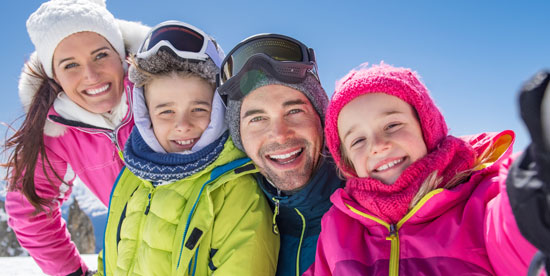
point(221, 212)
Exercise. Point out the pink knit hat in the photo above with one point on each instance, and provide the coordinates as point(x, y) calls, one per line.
point(395, 81)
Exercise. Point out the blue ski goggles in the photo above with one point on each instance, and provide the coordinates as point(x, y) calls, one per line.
point(184, 40)
point(282, 57)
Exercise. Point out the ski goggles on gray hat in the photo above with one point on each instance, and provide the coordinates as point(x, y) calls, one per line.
point(285, 58)
point(184, 40)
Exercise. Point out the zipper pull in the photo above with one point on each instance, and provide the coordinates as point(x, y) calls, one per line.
point(275, 213)
point(393, 231)
point(148, 205)
point(112, 135)
point(394, 251)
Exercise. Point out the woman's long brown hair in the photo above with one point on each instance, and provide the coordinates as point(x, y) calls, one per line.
point(28, 142)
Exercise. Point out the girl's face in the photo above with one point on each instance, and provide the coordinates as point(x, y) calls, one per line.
point(90, 71)
point(380, 135)
point(180, 109)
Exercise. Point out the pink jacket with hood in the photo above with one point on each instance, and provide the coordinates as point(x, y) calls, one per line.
point(468, 230)
point(78, 144)
point(465, 228)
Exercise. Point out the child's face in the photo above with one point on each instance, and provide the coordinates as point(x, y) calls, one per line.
point(380, 135)
point(179, 109)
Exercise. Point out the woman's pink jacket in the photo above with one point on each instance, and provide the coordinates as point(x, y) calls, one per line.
point(88, 153)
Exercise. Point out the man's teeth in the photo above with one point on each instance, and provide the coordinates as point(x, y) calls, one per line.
point(185, 142)
point(389, 165)
point(98, 90)
point(286, 155)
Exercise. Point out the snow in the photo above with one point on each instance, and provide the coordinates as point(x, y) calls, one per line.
point(87, 201)
point(3, 215)
point(14, 266)
point(92, 206)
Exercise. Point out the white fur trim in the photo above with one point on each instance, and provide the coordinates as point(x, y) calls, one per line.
point(28, 85)
point(53, 129)
point(69, 110)
point(133, 34)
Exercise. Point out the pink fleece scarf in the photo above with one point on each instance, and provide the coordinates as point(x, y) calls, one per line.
point(391, 202)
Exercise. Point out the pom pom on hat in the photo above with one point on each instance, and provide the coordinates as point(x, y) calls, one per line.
point(395, 81)
point(56, 19)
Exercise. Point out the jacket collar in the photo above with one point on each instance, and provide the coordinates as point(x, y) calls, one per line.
point(312, 201)
point(441, 199)
point(65, 113)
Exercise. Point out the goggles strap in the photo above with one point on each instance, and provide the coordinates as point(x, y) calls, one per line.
point(212, 52)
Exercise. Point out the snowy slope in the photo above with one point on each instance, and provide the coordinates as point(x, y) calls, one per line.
point(15, 266)
point(93, 207)
point(87, 202)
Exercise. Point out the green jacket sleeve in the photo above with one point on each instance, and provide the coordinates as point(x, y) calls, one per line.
point(243, 243)
point(99, 264)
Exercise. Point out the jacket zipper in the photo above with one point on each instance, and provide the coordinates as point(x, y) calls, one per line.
point(213, 177)
point(394, 228)
point(124, 122)
point(148, 204)
point(394, 251)
point(392, 236)
point(274, 226)
point(140, 233)
point(113, 135)
point(300, 244)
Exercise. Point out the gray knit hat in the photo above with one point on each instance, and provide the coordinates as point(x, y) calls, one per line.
point(56, 19)
point(310, 87)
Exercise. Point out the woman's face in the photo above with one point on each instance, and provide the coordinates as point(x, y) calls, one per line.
point(90, 71)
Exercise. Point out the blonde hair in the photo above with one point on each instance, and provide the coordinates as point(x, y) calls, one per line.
point(433, 181)
point(345, 162)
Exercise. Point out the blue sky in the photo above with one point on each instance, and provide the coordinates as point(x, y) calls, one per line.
point(472, 55)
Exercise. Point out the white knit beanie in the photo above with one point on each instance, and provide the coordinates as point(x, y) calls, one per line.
point(57, 19)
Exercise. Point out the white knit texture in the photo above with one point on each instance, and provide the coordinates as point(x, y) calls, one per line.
point(56, 19)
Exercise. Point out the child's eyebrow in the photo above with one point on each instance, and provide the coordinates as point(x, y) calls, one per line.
point(384, 113)
point(202, 103)
point(391, 112)
point(161, 105)
point(349, 132)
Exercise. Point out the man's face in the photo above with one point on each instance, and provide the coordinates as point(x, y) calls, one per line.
point(281, 132)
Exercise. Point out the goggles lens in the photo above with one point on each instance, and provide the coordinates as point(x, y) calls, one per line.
point(278, 49)
point(181, 38)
